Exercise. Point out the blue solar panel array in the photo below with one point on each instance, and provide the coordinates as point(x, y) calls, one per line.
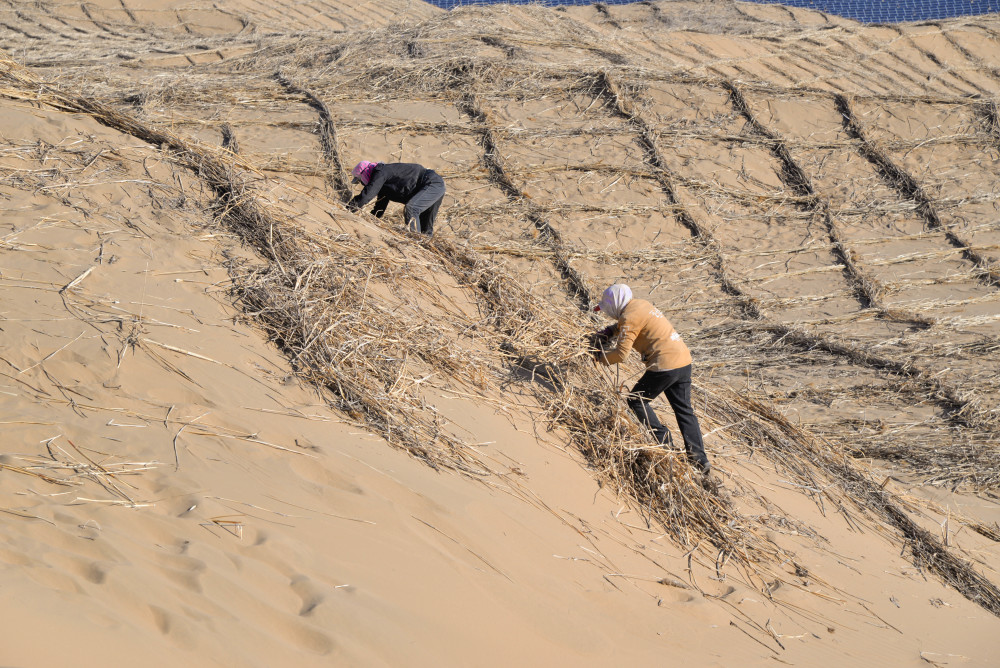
point(897, 11)
point(865, 11)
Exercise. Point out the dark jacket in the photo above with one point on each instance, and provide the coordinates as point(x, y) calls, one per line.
point(393, 182)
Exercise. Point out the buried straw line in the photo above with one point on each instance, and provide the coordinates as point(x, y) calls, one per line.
point(961, 410)
point(278, 307)
point(327, 135)
point(865, 493)
point(466, 77)
point(867, 289)
point(622, 104)
point(907, 187)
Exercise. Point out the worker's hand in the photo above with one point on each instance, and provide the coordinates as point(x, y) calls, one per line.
point(596, 345)
point(597, 341)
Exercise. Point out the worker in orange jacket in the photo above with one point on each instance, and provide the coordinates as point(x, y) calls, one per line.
point(642, 326)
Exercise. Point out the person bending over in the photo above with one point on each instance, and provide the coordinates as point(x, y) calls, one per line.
point(642, 326)
point(419, 189)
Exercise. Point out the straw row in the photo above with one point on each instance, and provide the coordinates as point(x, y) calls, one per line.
point(291, 300)
point(492, 157)
point(328, 138)
point(868, 289)
point(927, 551)
point(908, 188)
point(963, 411)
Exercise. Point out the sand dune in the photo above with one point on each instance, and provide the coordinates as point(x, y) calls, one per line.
point(242, 426)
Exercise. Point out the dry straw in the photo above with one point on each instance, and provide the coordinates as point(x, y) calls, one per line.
point(324, 300)
point(310, 299)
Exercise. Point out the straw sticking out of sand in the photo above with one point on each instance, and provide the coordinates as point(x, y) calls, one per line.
point(205, 355)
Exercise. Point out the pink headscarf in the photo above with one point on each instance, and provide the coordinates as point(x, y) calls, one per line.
point(363, 171)
point(614, 300)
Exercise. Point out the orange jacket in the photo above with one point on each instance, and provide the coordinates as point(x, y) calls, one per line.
point(643, 327)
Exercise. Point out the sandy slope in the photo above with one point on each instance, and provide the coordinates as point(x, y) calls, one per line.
point(176, 487)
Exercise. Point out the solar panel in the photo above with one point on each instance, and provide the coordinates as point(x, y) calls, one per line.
point(865, 11)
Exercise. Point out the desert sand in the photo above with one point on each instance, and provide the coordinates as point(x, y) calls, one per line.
point(242, 426)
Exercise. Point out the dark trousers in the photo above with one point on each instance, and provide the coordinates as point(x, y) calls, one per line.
point(675, 384)
point(421, 209)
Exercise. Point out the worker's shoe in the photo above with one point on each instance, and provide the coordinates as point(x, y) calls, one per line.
point(712, 483)
point(709, 480)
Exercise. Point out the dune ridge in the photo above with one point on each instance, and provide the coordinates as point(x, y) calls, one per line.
point(810, 200)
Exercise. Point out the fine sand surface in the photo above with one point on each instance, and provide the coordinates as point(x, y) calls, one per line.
point(242, 426)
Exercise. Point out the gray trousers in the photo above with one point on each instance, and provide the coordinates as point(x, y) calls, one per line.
point(421, 209)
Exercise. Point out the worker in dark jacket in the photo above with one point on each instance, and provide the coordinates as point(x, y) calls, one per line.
point(641, 326)
point(420, 190)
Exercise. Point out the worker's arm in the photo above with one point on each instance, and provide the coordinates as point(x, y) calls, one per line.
point(369, 192)
point(380, 204)
point(626, 337)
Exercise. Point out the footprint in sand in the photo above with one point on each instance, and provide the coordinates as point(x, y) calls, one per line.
point(161, 618)
point(14, 558)
point(176, 626)
point(182, 570)
point(254, 610)
point(184, 506)
point(92, 571)
point(308, 592)
point(716, 589)
point(670, 595)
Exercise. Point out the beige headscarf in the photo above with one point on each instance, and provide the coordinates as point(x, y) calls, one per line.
point(614, 300)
